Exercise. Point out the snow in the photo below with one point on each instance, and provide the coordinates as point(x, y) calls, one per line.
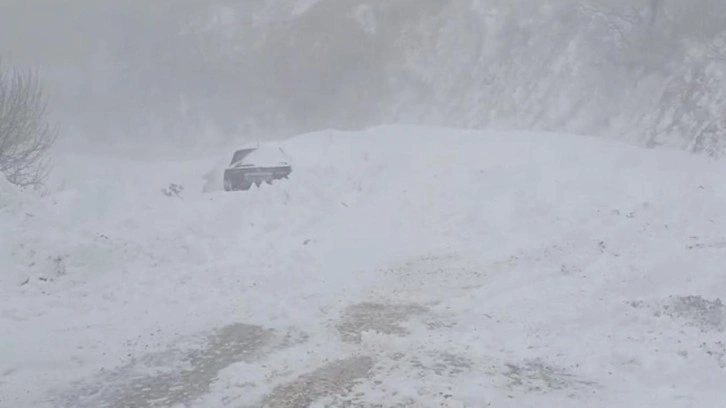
point(267, 155)
point(417, 266)
point(8, 193)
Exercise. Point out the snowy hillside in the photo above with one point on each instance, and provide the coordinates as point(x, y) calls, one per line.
point(650, 72)
point(397, 267)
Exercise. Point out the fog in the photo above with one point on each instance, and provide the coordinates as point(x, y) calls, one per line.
point(199, 72)
point(462, 203)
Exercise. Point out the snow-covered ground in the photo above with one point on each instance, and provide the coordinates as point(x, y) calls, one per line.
point(397, 267)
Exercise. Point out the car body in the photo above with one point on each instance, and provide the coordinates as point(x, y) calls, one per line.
point(256, 165)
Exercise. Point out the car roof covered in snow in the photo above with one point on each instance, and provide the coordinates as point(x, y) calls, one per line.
point(240, 154)
point(264, 155)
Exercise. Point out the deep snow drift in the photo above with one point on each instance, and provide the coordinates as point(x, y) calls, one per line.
point(400, 266)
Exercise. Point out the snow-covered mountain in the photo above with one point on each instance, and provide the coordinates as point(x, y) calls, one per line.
point(399, 266)
point(650, 72)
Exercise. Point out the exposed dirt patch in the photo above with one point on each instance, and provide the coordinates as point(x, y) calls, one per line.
point(708, 245)
point(334, 378)
point(337, 403)
point(707, 315)
point(381, 318)
point(716, 350)
point(538, 376)
point(443, 364)
point(188, 372)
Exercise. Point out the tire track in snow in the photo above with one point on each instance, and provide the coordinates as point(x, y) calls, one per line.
point(187, 374)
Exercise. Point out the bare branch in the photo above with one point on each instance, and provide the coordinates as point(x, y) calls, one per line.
point(25, 134)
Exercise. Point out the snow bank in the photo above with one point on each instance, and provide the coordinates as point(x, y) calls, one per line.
point(9, 194)
point(544, 268)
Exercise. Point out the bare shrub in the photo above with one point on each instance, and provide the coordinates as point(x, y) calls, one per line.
point(25, 133)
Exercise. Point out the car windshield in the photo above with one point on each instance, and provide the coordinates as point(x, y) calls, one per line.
point(239, 155)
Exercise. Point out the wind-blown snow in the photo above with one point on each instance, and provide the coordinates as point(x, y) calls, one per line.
point(398, 266)
point(8, 193)
point(650, 72)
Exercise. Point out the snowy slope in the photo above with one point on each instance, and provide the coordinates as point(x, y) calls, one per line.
point(397, 267)
point(650, 72)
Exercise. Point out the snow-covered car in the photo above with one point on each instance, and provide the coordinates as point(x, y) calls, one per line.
point(256, 165)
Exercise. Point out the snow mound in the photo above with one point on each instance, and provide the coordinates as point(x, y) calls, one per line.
point(9, 194)
point(434, 266)
point(214, 177)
